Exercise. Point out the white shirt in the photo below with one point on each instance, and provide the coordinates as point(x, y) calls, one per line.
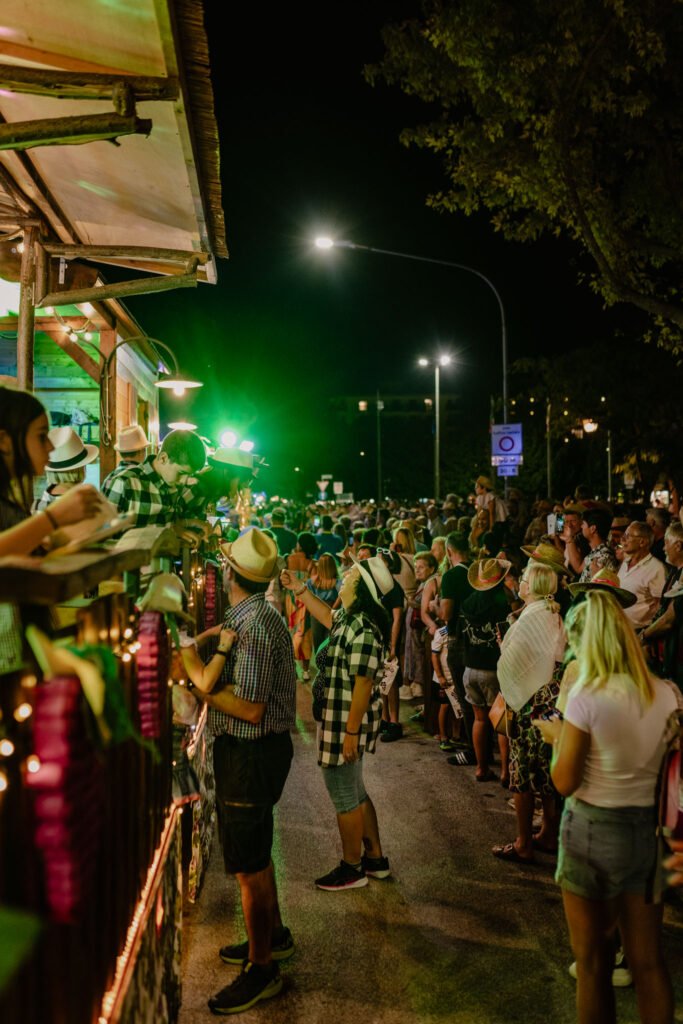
point(626, 740)
point(646, 580)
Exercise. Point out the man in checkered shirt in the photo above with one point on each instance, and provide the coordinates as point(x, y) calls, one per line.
point(250, 718)
point(157, 490)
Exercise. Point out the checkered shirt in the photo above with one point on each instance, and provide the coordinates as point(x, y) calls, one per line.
point(261, 668)
point(109, 479)
point(355, 649)
point(140, 489)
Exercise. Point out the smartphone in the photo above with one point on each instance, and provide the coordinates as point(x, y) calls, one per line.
point(552, 523)
point(559, 523)
point(548, 716)
point(316, 521)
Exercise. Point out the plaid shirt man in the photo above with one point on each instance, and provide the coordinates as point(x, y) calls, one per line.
point(123, 465)
point(261, 668)
point(355, 649)
point(140, 489)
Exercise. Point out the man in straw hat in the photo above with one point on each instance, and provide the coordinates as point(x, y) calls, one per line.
point(251, 718)
point(131, 444)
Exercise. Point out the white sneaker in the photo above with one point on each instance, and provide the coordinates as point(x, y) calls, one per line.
point(621, 976)
point(306, 676)
point(416, 690)
point(405, 693)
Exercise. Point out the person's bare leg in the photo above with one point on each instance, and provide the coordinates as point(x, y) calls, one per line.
point(504, 750)
point(351, 828)
point(371, 840)
point(443, 722)
point(591, 927)
point(550, 826)
point(259, 903)
point(393, 702)
point(640, 924)
point(524, 809)
point(479, 739)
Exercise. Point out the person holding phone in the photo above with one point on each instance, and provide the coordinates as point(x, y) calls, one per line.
point(606, 758)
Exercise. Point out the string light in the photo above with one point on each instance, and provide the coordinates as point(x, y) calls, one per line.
point(3, 782)
point(127, 656)
point(33, 764)
point(127, 633)
point(6, 748)
point(22, 712)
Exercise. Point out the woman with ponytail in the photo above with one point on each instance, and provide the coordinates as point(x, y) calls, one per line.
point(530, 654)
point(606, 759)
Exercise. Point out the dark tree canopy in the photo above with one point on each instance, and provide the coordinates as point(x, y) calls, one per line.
point(560, 116)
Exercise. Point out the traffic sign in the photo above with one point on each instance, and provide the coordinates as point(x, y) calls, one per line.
point(506, 439)
point(326, 476)
point(507, 460)
point(507, 470)
point(338, 487)
point(322, 484)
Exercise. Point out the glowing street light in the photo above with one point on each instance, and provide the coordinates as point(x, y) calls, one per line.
point(182, 425)
point(228, 439)
point(323, 242)
point(247, 446)
point(437, 362)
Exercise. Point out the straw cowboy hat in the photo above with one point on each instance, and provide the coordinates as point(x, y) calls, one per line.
point(69, 451)
point(231, 457)
point(166, 593)
point(484, 481)
point(131, 439)
point(487, 573)
point(605, 579)
point(547, 554)
point(253, 555)
point(375, 575)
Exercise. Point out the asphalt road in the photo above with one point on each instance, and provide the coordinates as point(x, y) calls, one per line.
point(454, 935)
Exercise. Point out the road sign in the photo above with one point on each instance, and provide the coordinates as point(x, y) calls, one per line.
point(506, 439)
point(322, 484)
point(507, 470)
point(338, 487)
point(326, 476)
point(507, 460)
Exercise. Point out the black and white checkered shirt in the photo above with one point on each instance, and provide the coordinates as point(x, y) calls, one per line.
point(140, 489)
point(261, 668)
point(355, 649)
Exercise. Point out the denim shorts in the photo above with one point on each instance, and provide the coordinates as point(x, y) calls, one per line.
point(345, 785)
point(481, 687)
point(606, 851)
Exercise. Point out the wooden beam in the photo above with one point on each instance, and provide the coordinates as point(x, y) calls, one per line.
point(122, 290)
point(83, 85)
point(70, 131)
point(108, 340)
point(55, 60)
point(25, 326)
point(75, 352)
point(128, 252)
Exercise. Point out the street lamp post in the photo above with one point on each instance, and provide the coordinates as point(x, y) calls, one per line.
point(325, 242)
point(438, 363)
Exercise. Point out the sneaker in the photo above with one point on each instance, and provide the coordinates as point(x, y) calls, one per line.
point(416, 690)
point(394, 731)
point(343, 877)
point(252, 984)
point(376, 867)
point(282, 947)
point(621, 975)
point(418, 714)
point(306, 676)
point(384, 725)
point(447, 746)
point(405, 693)
point(462, 759)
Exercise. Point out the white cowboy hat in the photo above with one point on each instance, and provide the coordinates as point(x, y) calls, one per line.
point(166, 593)
point(253, 555)
point(376, 576)
point(131, 439)
point(232, 457)
point(69, 451)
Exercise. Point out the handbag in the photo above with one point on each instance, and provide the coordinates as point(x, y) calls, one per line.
point(500, 714)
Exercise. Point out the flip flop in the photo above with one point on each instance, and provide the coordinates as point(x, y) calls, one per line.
point(509, 852)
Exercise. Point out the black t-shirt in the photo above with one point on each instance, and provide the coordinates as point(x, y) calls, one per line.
point(455, 587)
point(396, 598)
point(286, 540)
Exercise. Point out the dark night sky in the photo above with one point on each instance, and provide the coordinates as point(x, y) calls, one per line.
point(307, 147)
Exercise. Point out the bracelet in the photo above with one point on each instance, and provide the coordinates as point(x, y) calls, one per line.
point(349, 733)
point(222, 653)
point(51, 519)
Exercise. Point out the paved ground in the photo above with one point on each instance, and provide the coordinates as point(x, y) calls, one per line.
point(454, 936)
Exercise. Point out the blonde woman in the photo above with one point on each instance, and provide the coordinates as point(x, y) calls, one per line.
point(606, 758)
point(530, 655)
point(404, 546)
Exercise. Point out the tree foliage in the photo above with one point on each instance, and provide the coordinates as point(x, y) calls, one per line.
point(561, 117)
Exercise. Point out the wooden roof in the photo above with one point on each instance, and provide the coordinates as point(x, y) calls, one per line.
point(161, 191)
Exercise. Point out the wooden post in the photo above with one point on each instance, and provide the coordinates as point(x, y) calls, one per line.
point(107, 453)
point(25, 327)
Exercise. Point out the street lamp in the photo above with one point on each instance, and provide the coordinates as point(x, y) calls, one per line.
point(437, 363)
point(326, 242)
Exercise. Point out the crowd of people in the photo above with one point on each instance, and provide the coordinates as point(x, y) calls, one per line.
point(546, 640)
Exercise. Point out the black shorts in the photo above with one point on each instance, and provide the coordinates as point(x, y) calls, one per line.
point(250, 777)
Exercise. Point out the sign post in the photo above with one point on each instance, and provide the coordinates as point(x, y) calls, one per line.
point(506, 448)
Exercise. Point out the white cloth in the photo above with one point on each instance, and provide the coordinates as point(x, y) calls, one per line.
point(626, 740)
point(646, 580)
point(528, 654)
point(499, 509)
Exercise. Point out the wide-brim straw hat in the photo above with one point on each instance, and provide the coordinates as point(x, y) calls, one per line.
point(487, 573)
point(253, 555)
point(69, 451)
point(131, 439)
point(484, 481)
point(547, 554)
point(376, 575)
point(225, 458)
point(166, 593)
point(608, 580)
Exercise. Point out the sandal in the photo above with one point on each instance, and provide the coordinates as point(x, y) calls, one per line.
point(509, 852)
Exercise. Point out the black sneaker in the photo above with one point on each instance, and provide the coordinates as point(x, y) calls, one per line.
point(376, 867)
point(394, 731)
point(282, 947)
point(252, 984)
point(462, 758)
point(343, 877)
